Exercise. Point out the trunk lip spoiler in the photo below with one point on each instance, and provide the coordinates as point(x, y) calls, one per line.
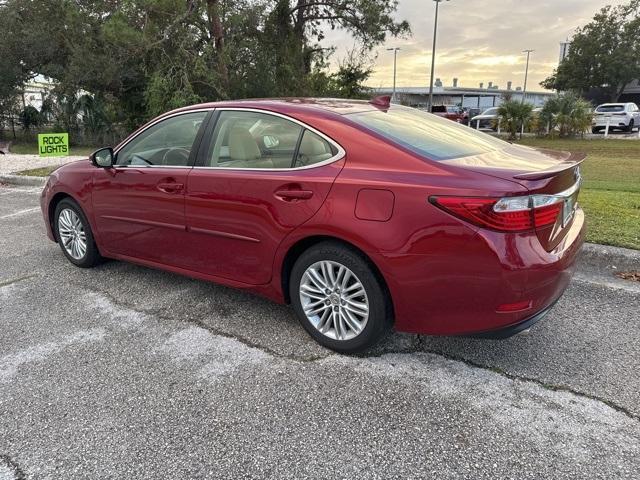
point(572, 160)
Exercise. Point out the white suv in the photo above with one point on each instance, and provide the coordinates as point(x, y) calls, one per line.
point(622, 116)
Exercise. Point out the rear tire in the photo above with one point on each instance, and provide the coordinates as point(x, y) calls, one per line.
point(630, 126)
point(595, 130)
point(73, 233)
point(331, 285)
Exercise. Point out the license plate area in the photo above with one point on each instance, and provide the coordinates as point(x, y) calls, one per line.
point(569, 208)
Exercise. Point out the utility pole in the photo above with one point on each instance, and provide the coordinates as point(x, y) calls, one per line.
point(526, 74)
point(395, 55)
point(433, 54)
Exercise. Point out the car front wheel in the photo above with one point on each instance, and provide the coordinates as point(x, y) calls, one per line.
point(338, 298)
point(74, 234)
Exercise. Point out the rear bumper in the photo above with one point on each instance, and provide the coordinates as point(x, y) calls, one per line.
point(511, 330)
point(615, 122)
point(462, 289)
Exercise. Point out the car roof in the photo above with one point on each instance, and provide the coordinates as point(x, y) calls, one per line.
point(292, 105)
point(612, 104)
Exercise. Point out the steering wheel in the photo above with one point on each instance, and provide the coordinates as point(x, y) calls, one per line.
point(182, 156)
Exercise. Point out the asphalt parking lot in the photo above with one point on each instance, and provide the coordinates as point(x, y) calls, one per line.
point(127, 372)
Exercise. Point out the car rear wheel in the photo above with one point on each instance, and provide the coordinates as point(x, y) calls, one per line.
point(630, 126)
point(595, 130)
point(74, 234)
point(338, 298)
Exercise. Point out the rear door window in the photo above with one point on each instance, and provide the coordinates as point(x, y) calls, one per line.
point(246, 139)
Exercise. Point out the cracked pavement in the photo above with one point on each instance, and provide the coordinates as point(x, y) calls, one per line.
point(127, 372)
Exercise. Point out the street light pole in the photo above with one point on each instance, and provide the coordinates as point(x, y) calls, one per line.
point(526, 74)
point(395, 54)
point(433, 53)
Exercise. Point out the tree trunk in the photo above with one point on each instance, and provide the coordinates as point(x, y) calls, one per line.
point(618, 93)
point(298, 31)
point(216, 33)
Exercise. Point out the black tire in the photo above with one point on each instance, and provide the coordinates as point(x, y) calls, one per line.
point(380, 311)
point(91, 256)
point(595, 130)
point(630, 126)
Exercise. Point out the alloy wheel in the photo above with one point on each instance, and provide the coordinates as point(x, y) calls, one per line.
point(334, 300)
point(71, 233)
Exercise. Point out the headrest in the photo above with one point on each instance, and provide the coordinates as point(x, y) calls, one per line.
point(242, 146)
point(311, 145)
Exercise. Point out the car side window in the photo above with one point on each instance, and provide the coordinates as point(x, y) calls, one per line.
point(167, 143)
point(243, 139)
point(313, 149)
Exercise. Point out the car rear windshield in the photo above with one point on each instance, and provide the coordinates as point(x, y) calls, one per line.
point(610, 108)
point(427, 135)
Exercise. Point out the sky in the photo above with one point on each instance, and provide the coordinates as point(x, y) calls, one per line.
point(478, 41)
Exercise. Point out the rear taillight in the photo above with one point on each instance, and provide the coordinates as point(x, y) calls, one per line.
point(507, 214)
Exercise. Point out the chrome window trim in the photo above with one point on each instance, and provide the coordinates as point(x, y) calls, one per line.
point(338, 156)
point(158, 120)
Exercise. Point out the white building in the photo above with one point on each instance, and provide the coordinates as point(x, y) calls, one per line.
point(479, 97)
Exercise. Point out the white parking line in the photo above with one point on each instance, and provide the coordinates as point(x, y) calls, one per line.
point(10, 190)
point(21, 212)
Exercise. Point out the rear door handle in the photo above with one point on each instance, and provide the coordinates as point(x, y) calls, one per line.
point(289, 195)
point(170, 187)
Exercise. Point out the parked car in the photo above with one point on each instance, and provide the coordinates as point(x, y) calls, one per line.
point(450, 112)
point(376, 215)
point(487, 119)
point(468, 113)
point(622, 116)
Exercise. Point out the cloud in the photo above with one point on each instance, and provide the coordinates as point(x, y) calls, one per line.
point(478, 40)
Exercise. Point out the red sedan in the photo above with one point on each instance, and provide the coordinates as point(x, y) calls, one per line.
point(362, 215)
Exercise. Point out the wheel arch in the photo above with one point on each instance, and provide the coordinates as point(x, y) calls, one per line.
point(51, 209)
point(302, 245)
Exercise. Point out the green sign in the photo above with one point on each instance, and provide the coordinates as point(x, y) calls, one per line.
point(53, 144)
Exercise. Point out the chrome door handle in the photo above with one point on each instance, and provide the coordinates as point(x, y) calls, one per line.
point(170, 187)
point(289, 195)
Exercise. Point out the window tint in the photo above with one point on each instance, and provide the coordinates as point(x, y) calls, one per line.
point(168, 142)
point(428, 135)
point(252, 140)
point(313, 149)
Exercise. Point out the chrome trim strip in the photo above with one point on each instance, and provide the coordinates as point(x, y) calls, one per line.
point(182, 167)
point(569, 191)
point(218, 233)
point(139, 221)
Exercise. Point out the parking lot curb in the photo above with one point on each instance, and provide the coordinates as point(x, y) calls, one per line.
point(23, 180)
point(610, 258)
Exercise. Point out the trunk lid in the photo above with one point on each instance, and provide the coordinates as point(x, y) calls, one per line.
point(541, 172)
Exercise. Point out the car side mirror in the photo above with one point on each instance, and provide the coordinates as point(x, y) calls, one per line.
point(103, 158)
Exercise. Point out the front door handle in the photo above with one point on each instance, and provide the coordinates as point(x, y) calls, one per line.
point(291, 195)
point(170, 187)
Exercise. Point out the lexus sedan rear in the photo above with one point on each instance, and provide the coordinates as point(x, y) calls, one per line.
point(362, 215)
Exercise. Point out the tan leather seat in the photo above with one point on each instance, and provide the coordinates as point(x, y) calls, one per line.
point(244, 151)
point(312, 150)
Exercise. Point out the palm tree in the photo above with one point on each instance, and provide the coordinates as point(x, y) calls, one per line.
point(513, 115)
point(568, 113)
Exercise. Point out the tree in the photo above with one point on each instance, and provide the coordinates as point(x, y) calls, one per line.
point(513, 115)
point(567, 113)
point(142, 57)
point(349, 80)
point(604, 54)
point(29, 117)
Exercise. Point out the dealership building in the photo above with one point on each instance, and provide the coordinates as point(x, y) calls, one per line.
point(472, 97)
